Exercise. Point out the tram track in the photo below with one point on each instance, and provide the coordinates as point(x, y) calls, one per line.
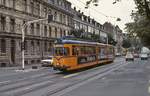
point(78, 83)
point(48, 80)
point(71, 85)
point(26, 78)
point(24, 83)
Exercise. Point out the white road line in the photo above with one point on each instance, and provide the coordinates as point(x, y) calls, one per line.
point(71, 75)
point(69, 89)
point(4, 82)
point(149, 87)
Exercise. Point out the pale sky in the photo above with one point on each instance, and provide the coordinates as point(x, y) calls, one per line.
point(121, 9)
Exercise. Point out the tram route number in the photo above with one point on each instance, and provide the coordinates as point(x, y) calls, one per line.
point(86, 59)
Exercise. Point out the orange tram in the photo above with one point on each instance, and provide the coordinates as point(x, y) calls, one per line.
point(72, 54)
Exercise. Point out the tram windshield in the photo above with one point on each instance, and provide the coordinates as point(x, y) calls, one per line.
point(61, 51)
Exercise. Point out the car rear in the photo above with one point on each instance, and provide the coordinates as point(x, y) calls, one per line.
point(129, 57)
point(144, 56)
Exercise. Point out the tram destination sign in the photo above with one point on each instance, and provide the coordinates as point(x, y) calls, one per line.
point(86, 59)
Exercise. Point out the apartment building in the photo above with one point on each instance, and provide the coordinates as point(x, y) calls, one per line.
point(39, 37)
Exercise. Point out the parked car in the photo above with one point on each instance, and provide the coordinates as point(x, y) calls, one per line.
point(129, 56)
point(136, 55)
point(144, 56)
point(118, 54)
point(47, 62)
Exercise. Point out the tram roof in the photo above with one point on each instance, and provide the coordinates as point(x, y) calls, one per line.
point(80, 42)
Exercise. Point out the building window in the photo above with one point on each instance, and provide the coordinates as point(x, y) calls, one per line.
point(50, 48)
point(45, 31)
point(49, 11)
point(14, 1)
point(38, 29)
point(32, 29)
point(25, 46)
point(38, 47)
point(55, 32)
point(32, 6)
point(25, 5)
point(3, 2)
point(38, 8)
point(50, 31)
point(32, 47)
point(45, 11)
point(64, 19)
point(45, 48)
point(55, 16)
point(61, 35)
point(12, 25)
point(64, 33)
point(25, 30)
point(3, 23)
point(61, 18)
point(3, 46)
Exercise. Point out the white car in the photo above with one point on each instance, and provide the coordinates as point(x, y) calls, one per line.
point(47, 62)
point(144, 56)
point(129, 57)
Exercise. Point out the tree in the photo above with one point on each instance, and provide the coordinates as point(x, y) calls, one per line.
point(95, 37)
point(77, 33)
point(140, 27)
point(126, 43)
point(111, 40)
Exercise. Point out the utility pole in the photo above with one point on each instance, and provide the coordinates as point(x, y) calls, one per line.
point(49, 18)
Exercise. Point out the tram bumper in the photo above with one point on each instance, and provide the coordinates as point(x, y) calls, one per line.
point(61, 68)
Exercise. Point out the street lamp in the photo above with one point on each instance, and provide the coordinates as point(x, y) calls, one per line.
point(49, 18)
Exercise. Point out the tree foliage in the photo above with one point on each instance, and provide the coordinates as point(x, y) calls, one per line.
point(126, 43)
point(82, 35)
point(111, 40)
point(141, 25)
point(77, 33)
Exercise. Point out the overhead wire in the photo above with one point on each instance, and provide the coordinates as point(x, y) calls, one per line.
point(97, 11)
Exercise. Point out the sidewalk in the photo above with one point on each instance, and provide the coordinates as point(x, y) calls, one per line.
point(20, 67)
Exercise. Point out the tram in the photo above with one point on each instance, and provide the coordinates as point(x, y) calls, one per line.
point(72, 54)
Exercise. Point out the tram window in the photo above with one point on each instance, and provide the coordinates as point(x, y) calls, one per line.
point(75, 50)
point(60, 51)
point(66, 51)
point(110, 50)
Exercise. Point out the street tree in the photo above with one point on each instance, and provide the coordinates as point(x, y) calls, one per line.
point(111, 40)
point(126, 43)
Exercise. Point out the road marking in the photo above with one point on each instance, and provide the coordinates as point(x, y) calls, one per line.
point(27, 70)
point(75, 86)
point(70, 75)
point(103, 78)
point(149, 87)
point(4, 82)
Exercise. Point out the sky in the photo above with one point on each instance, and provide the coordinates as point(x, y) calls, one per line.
point(106, 11)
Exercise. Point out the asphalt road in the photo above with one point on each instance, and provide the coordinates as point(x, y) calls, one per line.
point(120, 78)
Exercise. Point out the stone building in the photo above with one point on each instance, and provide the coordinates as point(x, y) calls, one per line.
point(116, 34)
point(89, 25)
point(119, 38)
point(39, 36)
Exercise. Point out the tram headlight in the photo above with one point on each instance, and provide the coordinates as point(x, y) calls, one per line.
point(57, 64)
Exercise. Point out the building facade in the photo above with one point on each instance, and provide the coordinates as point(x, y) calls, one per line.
point(39, 36)
point(88, 25)
point(116, 34)
point(119, 38)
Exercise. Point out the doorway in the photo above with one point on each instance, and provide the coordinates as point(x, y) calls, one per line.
point(13, 49)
